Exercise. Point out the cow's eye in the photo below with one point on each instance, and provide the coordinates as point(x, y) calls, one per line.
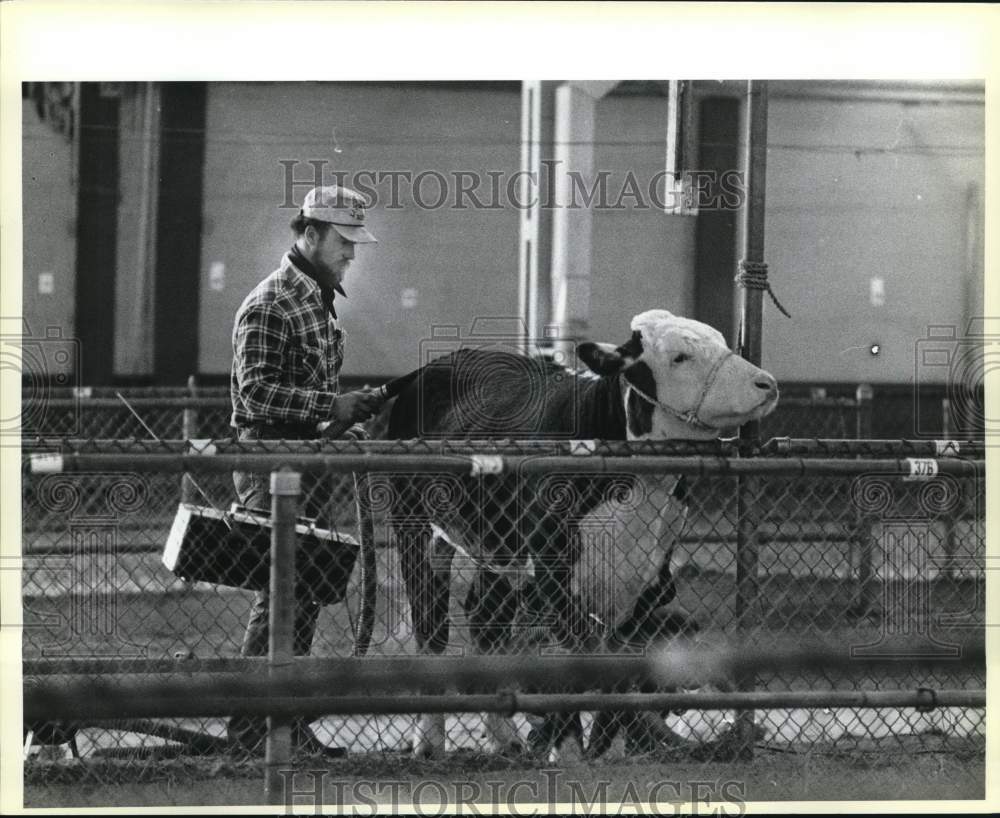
point(681, 357)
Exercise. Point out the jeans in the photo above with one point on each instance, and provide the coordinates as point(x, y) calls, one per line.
point(254, 491)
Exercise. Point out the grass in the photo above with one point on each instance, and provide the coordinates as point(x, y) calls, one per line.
point(947, 770)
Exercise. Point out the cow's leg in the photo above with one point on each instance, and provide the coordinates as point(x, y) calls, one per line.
point(603, 732)
point(491, 606)
point(647, 731)
point(554, 551)
point(427, 587)
point(556, 728)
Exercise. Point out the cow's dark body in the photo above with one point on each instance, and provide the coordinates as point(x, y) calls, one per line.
point(476, 394)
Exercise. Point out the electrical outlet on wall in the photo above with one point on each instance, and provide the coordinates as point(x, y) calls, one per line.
point(876, 291)
point(217, 276)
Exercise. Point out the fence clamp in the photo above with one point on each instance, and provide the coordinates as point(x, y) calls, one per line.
point(202, 446)
point(486, 464)
point(507, 702)
point(46, 463)
point(927, 693)
point(946, 448)
point(921, 468)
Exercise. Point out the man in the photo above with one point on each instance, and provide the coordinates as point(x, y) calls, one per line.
point(288, 349)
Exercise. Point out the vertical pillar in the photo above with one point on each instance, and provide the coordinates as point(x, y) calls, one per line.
point(907, 627)
point(178, 230)
point(534, 198)
point(94, 607)
point(972, 278)
point(749, 347)
point(285, 489)
point(96, 230)
point(716, 229)
point(137, 218)
point(572, 217)
point(572, 220)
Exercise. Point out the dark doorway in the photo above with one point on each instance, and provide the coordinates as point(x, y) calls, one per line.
point(97, 232)
point(715, 231)
point(178, 231)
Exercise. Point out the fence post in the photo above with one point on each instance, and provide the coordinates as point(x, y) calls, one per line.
point(189, 431)
point(864, 537)
point(948, 569)
point(864, 396)
point(752, 279)
point(285, 489)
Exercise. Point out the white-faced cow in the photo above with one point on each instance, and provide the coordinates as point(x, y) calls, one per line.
point(674, 379)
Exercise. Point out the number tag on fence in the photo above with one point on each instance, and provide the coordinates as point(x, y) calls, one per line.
point(921, 468)
point(44, 463)
point(486, 464)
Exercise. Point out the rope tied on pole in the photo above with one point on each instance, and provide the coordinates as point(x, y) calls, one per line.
point(753, 276)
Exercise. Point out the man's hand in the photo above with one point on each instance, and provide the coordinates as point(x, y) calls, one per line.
point(350, 408)
point(357, 406)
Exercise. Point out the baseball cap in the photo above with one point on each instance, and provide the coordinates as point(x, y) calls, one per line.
point(343, 208)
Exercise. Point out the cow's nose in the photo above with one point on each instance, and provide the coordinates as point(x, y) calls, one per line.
point(766, 383)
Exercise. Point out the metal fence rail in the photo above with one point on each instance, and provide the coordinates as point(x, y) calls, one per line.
point(306, 688)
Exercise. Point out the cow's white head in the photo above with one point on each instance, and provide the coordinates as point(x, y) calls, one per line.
point(682, 380)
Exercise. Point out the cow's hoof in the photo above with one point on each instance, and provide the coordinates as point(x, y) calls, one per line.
point(429, 737)
point(512, 749)
point(539, 741)
point(592, 752)
point(641, 748)
point(423, 751)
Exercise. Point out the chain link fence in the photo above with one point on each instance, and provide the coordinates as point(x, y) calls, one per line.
point(871, 548)
point(197, 411)
point(165, 412)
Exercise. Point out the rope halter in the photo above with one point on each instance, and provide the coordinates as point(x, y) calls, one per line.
point(752, 275)
point(690, 417)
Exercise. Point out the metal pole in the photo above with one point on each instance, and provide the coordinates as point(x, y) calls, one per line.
point(115, 686)
point(749, 347)
point(664, 451)
point(950, 543)
point(285, 489)
point(47, 463)
point(142, 323)
point(513, 702)
point(189, 431)
point(367, 565)
point(864, 524)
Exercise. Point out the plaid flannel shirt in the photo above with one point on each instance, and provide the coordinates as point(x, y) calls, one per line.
point(287, 352)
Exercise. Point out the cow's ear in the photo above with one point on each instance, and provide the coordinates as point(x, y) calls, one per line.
point(632, 348)
point(604, 359)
